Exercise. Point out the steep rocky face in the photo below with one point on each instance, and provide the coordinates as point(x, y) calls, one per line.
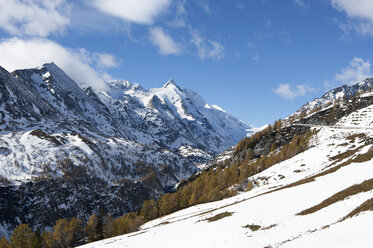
point(71, 103)
point(334, 113)
point(174, 116)
point(74, 151)
point(21, 104)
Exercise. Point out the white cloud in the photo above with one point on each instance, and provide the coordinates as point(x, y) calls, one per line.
point(204, 6)
point(206, 48)
point(163, 41)
point(360, 13)
point(356, 71)
point(356, 8)
point(180, 16)
point(105, 60)
point(77, 63)
point(288, 92)
point(299, 3)
point(33, 17)
point(363, 27)
point(138, 11)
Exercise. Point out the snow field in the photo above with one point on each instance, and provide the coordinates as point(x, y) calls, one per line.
point(275, 211)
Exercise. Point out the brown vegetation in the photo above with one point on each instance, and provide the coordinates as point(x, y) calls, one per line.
point(219, 216)
point(366, 206)
point(252, 227)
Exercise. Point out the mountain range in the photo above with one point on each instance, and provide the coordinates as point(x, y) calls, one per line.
point(123, 144)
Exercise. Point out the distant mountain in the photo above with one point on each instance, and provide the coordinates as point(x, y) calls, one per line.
point(101, 150)
point(334, 94)
point(175, 117)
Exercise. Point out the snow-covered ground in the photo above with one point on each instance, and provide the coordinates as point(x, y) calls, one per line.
point(274, 207)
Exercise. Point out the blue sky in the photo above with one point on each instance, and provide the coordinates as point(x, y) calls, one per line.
point(260, 59)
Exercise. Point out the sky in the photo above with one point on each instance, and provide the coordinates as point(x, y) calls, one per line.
point(260, 60)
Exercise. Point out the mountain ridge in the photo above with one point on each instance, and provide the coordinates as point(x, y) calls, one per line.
point(118, 148)
point(344, 91)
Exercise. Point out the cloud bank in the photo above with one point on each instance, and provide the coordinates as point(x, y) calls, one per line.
point(360, 13)
point(289, 93)
point(164, 42)
point(33, 17)
point(357, 70)
point(206, 48)
point(77, 63)
point(137, 11)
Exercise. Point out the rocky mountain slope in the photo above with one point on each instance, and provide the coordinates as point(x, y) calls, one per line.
point(338, 93)
point(175, 116)
point(321, 197)
point(101, 150)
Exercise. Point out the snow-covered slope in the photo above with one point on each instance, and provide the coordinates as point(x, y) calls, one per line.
point(268, 215)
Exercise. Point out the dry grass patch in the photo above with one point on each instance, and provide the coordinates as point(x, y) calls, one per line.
point(344, 144)
point(340, 196)
point(136, 234)
point(352, 138)
point(219, 216)
point(366, 206)
point(364, 157)
point(163, 223)
point(269, 227)
point(343, 155)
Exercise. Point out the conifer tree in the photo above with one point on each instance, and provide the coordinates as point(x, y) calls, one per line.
point(4, 243)
point(108, 228)
point(148, 210)
point(47, 241)
point(75, 231)
point(22, 237)
point(91, 228)
point(60, 238)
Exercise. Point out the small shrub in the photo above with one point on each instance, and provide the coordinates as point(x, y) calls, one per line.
point(252, 227)
point(250, 186)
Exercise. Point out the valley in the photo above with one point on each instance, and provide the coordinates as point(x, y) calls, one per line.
point(280, 193)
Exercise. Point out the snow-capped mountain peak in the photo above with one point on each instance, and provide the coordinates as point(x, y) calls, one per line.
point(170, 84)
point(170, 107)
